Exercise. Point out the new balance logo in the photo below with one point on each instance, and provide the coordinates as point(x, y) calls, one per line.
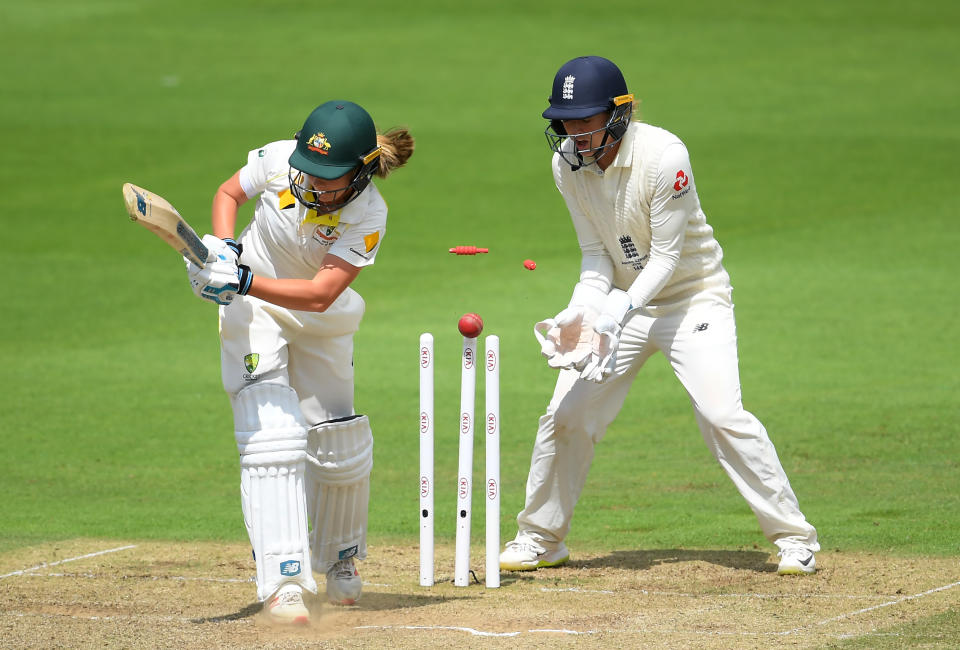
point(290, 568)
point(702, 327)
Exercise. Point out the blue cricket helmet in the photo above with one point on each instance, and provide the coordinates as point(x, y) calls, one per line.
point(584, 87)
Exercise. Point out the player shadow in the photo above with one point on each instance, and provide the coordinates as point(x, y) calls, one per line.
point(248, 611)
point(384, 601)
point(641, 560)
point(371, 601)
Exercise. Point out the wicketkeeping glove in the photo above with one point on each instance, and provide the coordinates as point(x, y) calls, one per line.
point(221, 279)
point(606, 337)
point(565, 340)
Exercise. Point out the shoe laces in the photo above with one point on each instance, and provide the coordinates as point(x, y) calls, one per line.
point(795, 552)
point(526, 545)
point(343, 569)
point(290, 597)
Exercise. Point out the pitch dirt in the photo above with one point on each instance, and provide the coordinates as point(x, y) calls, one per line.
point(116, 594)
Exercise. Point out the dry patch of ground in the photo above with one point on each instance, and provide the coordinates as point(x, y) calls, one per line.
point(95, 593)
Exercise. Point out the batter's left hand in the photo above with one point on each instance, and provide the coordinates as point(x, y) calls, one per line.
point(221, 279)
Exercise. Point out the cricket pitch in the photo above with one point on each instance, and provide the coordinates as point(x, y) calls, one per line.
point(94, 593)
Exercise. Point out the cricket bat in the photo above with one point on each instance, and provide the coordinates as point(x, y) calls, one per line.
point(155, 213)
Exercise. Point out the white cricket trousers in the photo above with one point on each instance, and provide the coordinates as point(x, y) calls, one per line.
point(310, 352)
point(701, 346)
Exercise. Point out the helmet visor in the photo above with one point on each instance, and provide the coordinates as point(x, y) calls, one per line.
point(578, 156)
point(323, 201)
point(327, 201)
point(584, 149)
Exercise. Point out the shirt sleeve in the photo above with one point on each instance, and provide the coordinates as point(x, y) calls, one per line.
point(673, 204)
point(265, 166)
point(596, 265)
point(359, 243)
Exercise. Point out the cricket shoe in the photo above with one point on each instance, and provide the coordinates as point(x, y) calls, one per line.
point(286, 606)
point(796, 561)
point(344, 583)
point(524, 554)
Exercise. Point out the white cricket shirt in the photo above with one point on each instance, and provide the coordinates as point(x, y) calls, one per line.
point(285, 239)
point(640, 225)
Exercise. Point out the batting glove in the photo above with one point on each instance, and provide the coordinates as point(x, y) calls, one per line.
point(221, 279)
point(234, 246)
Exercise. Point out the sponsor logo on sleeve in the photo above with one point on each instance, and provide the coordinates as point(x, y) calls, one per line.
point(681, 185)
point(369, 243)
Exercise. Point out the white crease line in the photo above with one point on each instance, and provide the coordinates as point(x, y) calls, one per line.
point(875, 607)
point(646, 592)
point(94, 576)
point(127, 617)
point(470, 630)
point(72, 559)
point(741, 633)
point(564, 631)
point(434, 627)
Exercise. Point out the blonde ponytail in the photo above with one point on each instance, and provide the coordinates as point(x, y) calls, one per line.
point(396, 147)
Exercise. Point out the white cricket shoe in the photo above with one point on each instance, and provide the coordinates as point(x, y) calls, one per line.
point(286, 606)
point(796, 561)
point(524, 554)
point(344, 583)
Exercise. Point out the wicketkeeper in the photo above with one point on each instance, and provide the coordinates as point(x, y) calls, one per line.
point(287, 319)
point(651, 280)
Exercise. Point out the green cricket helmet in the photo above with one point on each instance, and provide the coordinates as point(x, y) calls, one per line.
point(337, 138)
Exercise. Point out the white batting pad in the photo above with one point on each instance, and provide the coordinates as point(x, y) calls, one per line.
point(339, 460)
point(272, 438)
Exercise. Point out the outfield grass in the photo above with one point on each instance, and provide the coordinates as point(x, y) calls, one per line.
point(824, 142)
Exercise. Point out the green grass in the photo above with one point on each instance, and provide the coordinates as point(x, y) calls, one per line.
point(824, 141)
point(927, 632)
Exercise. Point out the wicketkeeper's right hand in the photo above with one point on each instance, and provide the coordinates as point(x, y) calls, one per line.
point(606, 337)
point(566, 339)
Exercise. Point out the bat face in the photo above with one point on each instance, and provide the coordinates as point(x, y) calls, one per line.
point(155, 213)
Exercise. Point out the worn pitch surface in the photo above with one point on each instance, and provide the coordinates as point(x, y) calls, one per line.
point(95, 593)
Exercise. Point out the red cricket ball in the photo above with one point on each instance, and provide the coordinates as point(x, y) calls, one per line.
point(470, 325)
point(529, 264)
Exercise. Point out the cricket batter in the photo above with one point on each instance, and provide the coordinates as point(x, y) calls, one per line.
point(651, 280)
point(287, 319)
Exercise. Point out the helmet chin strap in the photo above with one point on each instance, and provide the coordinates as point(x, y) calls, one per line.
point(573, 167)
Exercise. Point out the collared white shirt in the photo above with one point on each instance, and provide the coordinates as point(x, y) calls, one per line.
point(640, 225)
point(285, 239)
